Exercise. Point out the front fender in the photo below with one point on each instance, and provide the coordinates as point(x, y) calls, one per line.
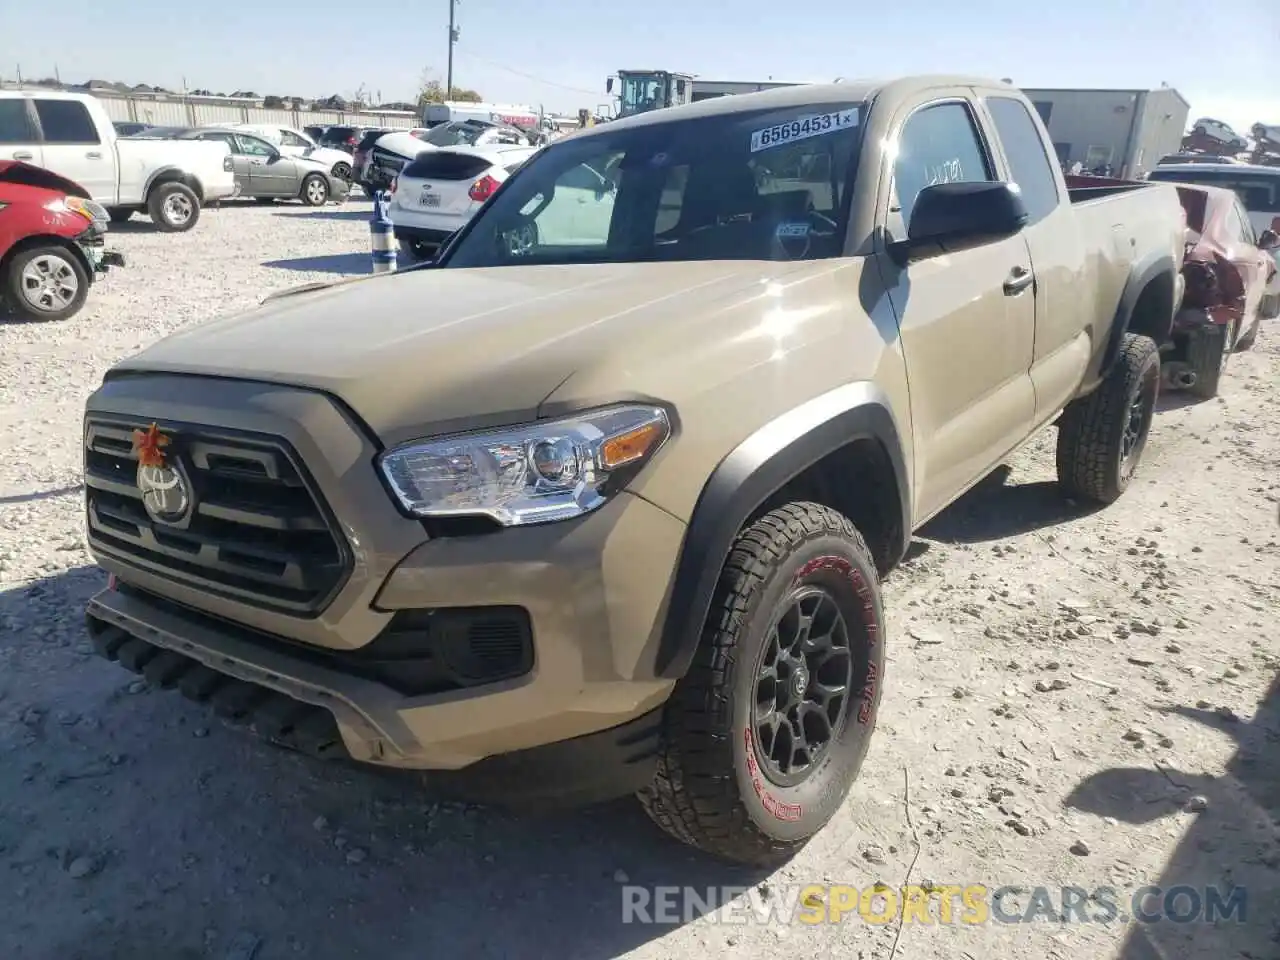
point(758, 467)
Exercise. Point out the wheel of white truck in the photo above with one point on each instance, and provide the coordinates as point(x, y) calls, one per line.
point(315, 190)
point(174, 207)
point(1101, 437)
point(764, 736)
point(46, 283)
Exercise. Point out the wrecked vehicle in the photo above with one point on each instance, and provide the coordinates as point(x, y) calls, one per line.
point(1226, 273)
point(597, 505)
point(52, 242)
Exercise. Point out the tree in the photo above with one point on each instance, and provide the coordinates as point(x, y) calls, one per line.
point(432, 91)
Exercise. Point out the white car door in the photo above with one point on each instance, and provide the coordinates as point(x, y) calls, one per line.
point(73, 147)
point(19, 139)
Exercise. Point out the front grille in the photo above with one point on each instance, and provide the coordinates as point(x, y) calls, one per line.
point(258, 532)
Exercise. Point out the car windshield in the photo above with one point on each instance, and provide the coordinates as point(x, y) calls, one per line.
point(456, 133)
point(757, 185)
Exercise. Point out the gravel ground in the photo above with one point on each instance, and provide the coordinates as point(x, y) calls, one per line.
point(1074, 699)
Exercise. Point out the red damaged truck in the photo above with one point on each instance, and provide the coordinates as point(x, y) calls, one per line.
point(52, 242)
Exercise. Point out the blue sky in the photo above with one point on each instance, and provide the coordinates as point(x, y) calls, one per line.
point(558, 52)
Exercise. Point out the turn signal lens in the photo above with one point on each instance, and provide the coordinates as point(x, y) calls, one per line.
point(631, 446)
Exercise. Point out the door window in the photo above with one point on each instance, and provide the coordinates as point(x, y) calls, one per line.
point(1028, 162)
point(291, 139)
point(255, 147)
point(1238, 224)
point(66, 121)
point(15, 122)
point(939, 144)
point(226, 138)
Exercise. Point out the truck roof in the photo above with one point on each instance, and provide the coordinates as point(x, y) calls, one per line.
point(798, 96)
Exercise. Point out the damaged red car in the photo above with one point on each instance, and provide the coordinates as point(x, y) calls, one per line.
point(52, 242)
point(1226, 272)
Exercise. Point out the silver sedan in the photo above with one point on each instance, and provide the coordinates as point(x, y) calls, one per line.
point(263, 171)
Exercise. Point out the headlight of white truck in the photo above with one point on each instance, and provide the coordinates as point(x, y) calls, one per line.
point(535, 473)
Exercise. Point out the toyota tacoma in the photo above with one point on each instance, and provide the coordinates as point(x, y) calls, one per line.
point(598, 501)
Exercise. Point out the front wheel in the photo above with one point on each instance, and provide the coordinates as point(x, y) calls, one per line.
point(1101, 437)
point(415, 251)
point(120, 214)
point(315, 191)
point(766, 733)
point(46, 283)
point(174, 207)
point(342, 171)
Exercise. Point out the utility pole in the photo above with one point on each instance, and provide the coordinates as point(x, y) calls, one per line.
point(453, 38)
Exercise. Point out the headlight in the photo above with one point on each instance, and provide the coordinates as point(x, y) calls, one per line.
point(536, 473)
point(86, 208)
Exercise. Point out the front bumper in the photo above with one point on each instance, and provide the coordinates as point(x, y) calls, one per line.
point(92, 244)
point(593, 589)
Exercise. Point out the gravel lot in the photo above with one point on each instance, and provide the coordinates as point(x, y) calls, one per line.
point(1073, 699)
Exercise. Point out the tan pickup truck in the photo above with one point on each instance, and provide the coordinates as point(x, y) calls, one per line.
point(602, 507)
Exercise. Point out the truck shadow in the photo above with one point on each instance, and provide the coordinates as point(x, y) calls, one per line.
point(200, 833)
point(360, 214)
point(994, 510)
point(1233, 842)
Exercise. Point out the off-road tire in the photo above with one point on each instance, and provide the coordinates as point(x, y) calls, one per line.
point(1091, 433)
point(710, 790)
point(1207, 355)
point(158, 207)
point(120, 214)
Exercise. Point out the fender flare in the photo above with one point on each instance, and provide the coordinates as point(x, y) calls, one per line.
point(183, 177)
point(1143, 273)
point(758, 467)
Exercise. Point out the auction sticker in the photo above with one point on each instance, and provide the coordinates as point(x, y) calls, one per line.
point(803, 129)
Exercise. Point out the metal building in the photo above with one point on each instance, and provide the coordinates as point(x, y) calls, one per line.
point(1125, 130)
point(709, 89)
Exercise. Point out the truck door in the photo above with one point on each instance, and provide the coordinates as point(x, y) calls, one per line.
point(74, 147)
point(966, 319)
point(1062, 302)
point(19, 138)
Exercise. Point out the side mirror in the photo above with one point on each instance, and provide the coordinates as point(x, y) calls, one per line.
point(1269, 240)
point(949, 217)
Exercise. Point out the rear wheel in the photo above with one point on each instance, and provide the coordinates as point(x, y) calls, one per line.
point(315, 190)
point(174, 207)
point(764, 736)
point(1101, 437)
point(1208, 353)
point(46, 283)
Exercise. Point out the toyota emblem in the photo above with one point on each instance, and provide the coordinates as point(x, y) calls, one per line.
point(165, 494)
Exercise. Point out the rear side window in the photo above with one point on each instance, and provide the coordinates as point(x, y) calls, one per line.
point(1028, 162)
point(939, 144)
point(442, 165)
point(66, 121)
point(15, 124)
point(369, 139)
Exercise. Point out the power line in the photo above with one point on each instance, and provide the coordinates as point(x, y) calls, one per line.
point(527, 76)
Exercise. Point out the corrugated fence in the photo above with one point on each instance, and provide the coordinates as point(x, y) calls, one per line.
point(198, 111)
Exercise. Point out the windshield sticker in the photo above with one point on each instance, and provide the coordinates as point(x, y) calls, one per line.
point(803, 129)
point(788, 230)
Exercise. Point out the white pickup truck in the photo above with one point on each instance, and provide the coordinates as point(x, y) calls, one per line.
point(71, 134)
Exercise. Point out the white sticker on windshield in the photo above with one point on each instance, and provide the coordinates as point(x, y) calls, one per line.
point(803, 129)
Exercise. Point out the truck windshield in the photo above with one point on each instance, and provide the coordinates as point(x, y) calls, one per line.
point(757, 185)
point(643, 91)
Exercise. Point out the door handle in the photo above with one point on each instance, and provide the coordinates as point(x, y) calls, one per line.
point(258, 163)
point(23, 155)
point(94, 155)
point(1019, 279)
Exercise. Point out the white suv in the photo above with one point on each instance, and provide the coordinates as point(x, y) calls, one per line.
point(436, 194)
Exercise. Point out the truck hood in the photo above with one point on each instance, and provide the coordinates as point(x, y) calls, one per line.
point(443, 349)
